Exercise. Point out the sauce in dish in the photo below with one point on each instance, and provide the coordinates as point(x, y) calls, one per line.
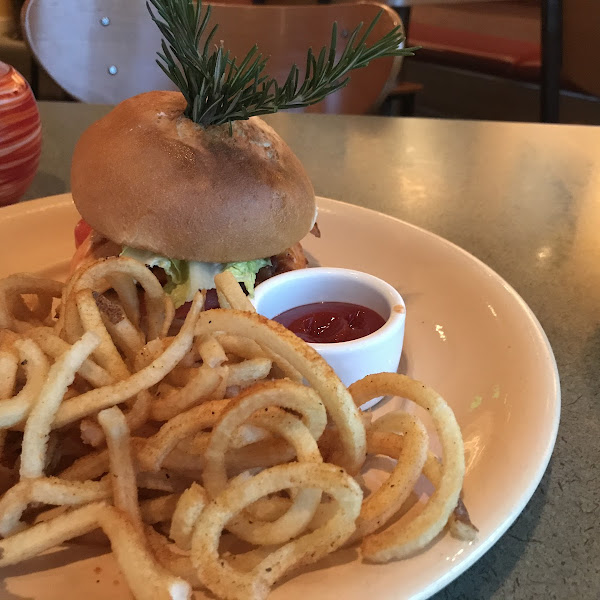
point(330, 322)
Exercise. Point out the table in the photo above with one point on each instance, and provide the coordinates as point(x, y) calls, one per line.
point(501, 191)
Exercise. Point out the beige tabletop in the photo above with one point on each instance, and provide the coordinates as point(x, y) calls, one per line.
point(525, 199)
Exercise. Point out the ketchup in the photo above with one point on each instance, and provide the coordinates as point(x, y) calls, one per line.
point(330, 322)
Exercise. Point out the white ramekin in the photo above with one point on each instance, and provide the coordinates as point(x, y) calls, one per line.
point(375, 353)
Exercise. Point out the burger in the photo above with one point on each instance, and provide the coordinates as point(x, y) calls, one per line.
point(192, 183)
point(189, 201)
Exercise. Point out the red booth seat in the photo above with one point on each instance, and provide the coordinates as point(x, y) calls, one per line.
point(477, 51)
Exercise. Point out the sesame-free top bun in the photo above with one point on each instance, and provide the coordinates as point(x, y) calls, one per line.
point(146, 176)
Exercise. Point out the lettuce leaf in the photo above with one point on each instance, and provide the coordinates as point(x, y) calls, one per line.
point(185, 278)
point(177, 270)
point(245, 272)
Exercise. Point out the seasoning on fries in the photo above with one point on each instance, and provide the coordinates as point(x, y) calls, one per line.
point(231, 432)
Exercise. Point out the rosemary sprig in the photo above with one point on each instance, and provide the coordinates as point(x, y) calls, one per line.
point(219, 90)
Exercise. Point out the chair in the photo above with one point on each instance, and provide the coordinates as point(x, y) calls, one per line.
point(571, 45)
point(104, 51)
point(581, 45)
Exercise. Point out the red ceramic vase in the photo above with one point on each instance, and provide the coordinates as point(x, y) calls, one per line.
point(20, 135)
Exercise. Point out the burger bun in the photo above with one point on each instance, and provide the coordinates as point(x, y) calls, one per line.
point(146, 176)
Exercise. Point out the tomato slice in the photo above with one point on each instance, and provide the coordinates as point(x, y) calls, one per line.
point(82, 230)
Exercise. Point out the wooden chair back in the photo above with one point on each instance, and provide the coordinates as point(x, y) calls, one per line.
point(104, 51)
point(581, 44)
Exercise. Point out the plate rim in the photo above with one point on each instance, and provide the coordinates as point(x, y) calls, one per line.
point(485, 545)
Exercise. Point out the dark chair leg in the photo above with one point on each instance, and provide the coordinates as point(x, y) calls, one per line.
point(399, 106)
point(551, 60)
point(404, 14)
point(408, 105)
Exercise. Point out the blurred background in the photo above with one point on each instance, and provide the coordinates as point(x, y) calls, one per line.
point(518, 60)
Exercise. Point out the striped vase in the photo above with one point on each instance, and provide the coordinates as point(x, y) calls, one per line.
point(20, 135)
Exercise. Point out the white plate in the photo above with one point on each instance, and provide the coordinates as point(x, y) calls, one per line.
point(468, 334)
